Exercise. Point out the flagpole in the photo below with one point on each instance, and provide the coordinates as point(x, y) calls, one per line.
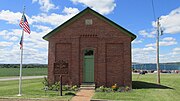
point(20, 74)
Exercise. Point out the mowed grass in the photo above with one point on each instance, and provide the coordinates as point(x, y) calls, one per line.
point(30, 89)
point(146, 89)
point(5, 72)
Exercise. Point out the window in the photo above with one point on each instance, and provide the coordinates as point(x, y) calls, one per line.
point(89, 52)
point(88, 22)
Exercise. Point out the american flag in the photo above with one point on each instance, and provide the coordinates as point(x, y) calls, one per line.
point(24, 23)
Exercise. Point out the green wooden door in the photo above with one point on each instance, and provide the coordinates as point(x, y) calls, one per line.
point(88, 69)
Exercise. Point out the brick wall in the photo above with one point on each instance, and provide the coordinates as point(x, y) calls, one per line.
point(112, 52)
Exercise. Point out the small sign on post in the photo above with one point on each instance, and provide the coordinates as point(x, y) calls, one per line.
point(61, 68)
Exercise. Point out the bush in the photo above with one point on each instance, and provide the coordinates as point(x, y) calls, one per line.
point(100, 89)
point(114, 87)
point(103, 89)
point(56, 86)
point(45, 81)
point(74, 88)
point(124, 89)
point(66, 88)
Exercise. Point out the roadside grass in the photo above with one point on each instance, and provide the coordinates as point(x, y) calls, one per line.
point(30, 89)
point(146, 89)
point(7, 72)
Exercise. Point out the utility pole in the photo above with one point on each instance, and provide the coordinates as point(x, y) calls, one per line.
point(157, 51)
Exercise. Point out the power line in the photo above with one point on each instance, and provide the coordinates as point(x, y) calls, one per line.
point(157, 43)
point(154, 14)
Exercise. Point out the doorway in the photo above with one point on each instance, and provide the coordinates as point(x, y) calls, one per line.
point(88, 68)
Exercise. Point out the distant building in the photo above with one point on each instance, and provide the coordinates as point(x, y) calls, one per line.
point(92, 49)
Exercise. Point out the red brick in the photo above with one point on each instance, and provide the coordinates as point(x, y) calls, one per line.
point(112, 50)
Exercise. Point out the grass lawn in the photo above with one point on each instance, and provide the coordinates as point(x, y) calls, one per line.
point(30, 89)
point(5, 72)
point(146, 89)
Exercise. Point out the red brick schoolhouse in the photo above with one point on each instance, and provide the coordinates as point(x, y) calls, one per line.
point(89, 48)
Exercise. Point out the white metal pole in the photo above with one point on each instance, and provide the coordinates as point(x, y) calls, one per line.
point(20, 74)
point(157, 50)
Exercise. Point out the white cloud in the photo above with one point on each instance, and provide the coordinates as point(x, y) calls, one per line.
point(10, 17)
point(13, 17)
point(101, 6)
point(137, 41)
point(5, 44)
point(144, 33)
point(172, 56)
point(14, 38)
point(167, 41)
point(70, 10)
point(46, 5)
point(7, 35)
point(42, 28)
point(171, 22)
point(55, 19)
point(35, 48)
point(144, 55)
point(176, 51)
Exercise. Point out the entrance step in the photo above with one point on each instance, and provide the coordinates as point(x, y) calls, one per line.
point(87, 86)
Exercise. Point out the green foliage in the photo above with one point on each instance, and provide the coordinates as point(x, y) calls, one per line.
point(74, 88)
point(66, 88)
point(56, 86)
point(45, 81)
point(114, 87)
point(123, 89)
point(103, 89)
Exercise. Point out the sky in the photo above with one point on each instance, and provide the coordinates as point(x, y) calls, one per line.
point(134, 15)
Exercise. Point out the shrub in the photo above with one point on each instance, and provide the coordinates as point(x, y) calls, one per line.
point(124, 89)
point(56, 86)
point(103, 89)
point(45, 81)
point(100, 89)
point(74, 88)
point(66, 88)
point(114, 87)
point(127, 88)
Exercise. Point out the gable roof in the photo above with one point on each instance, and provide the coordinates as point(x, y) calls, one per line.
point(47, 36)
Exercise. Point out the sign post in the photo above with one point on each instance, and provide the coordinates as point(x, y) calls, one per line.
point(60, 69)
point(60, 85)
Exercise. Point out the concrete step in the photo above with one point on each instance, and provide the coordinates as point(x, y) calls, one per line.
point(87, 86)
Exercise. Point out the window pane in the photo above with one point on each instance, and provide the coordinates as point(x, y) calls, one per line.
point(89, 52)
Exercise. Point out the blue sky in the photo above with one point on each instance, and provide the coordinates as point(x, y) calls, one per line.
point(134, 15)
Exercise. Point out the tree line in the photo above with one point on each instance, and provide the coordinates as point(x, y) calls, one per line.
point(24, 65)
